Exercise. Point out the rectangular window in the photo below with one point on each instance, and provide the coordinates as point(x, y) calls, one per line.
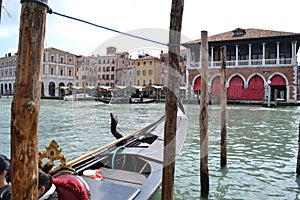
point(52, 58)
point(138, 82)
point(138, 72)
point(107, 77)
point(61, 59)
point(144, 72)
point(150, 72)
point(112, 77)
point(144, 82)
point(103, 77)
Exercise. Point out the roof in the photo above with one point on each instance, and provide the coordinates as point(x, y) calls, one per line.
point(242, 34)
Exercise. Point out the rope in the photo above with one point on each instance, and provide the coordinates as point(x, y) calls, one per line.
point(50, 11)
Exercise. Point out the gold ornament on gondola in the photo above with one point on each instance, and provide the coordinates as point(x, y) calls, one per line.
point(52, 153)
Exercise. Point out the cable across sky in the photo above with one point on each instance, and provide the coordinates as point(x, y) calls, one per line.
point(50, 11)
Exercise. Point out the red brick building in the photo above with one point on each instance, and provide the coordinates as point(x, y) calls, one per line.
point(258, 63)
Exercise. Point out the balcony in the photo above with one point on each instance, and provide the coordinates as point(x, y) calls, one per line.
point(248, 63)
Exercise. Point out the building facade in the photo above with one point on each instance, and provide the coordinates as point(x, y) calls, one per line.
point(8, 65)
point(147, 71)
point(259, 64)
point(103, 70)
point(58, 71)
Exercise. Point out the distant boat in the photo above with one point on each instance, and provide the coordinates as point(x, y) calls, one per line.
point(104, 96)
point(131, 167)
point(141, 100)
point(78, 97)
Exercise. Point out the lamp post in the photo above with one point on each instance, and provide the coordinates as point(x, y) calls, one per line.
point(269, 93)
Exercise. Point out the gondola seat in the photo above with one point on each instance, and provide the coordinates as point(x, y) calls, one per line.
point(71, 187)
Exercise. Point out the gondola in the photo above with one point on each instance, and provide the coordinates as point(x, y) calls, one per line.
point(128, 168)
point(104, 96)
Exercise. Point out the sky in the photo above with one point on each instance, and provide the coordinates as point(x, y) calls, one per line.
point(150, 19)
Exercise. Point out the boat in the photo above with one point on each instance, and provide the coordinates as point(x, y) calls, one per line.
point(104, 96)
point(78, 97)
point(130, 167)
point(140, 98)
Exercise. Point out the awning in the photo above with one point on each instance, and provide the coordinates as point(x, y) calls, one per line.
point(89, 87)
point(103, 87)
point(120, 87)
point(64, 87)
point(76, 87)
point(157, 86)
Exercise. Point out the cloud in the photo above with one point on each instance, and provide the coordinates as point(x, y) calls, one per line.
point(9, 31)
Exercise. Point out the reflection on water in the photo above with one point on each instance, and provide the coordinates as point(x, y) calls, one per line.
point(262, 144)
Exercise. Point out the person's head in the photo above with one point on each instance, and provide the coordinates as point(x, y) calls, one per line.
point(45, 183)
point(4, 169)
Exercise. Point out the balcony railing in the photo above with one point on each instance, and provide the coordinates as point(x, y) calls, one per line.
point(247, 63)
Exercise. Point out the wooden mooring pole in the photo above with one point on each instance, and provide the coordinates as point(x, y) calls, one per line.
point(0, 9)
point(26, 103)
point(203, 118)
point(223, 107)
point(172, 100)
point(298, 157)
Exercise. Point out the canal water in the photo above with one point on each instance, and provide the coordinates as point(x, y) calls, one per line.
point(262, 143)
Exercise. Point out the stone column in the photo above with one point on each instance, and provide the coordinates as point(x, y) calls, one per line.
point(250, 54)
point(236, 55)
point(212, 57)
point(278, 54)
point(294, 52)
point(264, 54)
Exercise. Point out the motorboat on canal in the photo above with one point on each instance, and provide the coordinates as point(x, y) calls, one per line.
point(130, 167)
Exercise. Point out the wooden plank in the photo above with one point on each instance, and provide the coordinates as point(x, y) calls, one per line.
point(203, 118)
point(172, 99)
point(26, 102)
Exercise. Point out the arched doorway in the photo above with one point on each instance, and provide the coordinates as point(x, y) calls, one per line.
point(235, 90)
point(215, 96)
point(61, 90)
point(42, 91)
point(278, 84)
point(51, 89)
point(197, 87)
point(255, 89)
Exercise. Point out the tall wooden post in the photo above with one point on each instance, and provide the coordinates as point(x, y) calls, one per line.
point(172, 100)
point(203, 118)
point(26, 103)
point(0, 9)
point(298, 157)
point(223, 107)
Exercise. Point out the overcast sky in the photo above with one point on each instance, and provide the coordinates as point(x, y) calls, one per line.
point(146, 19)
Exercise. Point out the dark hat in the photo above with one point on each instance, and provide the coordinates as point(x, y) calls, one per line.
point(5, 165)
